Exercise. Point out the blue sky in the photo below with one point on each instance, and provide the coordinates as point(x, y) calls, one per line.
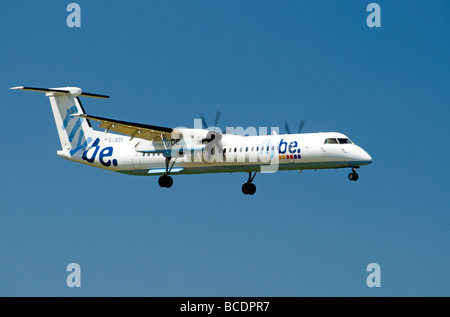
point(261, 63)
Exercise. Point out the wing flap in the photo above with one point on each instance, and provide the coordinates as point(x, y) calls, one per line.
point(142, 131)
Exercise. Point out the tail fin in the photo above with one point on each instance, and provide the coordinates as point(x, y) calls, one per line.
point(74, 133)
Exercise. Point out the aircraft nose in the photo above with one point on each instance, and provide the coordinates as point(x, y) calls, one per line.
point(365, 157)
point(368, 158)
point(360, 157)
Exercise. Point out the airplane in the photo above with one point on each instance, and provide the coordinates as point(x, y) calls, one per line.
point(148, 150)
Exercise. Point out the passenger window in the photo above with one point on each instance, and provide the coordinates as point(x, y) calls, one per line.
point(235, 149)
point(257, 148)
point(252, 148)
point(246, 149)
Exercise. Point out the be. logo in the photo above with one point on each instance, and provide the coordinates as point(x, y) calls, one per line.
point(104, 153)
point(291, 148)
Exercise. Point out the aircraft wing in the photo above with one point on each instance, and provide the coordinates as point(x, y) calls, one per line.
point(142, 131)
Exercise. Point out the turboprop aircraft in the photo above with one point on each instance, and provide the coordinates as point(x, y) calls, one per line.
point(141, 149)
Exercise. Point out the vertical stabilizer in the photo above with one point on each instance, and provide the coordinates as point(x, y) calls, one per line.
point(75, 133)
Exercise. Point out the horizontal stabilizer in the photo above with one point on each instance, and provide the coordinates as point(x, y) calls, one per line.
point(87, 94)
point(63, 90)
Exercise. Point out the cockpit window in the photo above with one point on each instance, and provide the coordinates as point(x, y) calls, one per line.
point(331, 141)
point(344, 141)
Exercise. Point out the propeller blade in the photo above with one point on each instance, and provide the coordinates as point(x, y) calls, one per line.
point(286, 127)
point(300, 127)
point(218, 113)
point(203, 121)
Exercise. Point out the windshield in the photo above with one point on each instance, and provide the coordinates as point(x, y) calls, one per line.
point(344, 141)
point(337, 141)
point(331, 141)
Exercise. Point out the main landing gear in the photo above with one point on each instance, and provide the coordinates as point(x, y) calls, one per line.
point(353, 176)
point(249, 188)
point(165, 180)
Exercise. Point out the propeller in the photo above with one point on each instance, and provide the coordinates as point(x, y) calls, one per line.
point(300, 127)
point(206, 126)
point(212, 135)
point(218, 114)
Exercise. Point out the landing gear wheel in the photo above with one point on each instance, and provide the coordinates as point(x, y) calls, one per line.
point(165, 181)
point(252, 188)
point(249, 188)
point(353, 176)
point(169, 182)
point(245, 189)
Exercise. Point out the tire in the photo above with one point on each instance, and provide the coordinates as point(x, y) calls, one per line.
point(353, 176)
point(252, 188)
point(165, 181)
point(169, 181)
point(248, 188)
point(245, 189)
point(161, 181)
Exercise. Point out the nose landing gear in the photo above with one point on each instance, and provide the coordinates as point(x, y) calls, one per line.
point(353, 176)
point(249, 188)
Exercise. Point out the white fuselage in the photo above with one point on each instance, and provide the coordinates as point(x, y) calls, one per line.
point(267, 153)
